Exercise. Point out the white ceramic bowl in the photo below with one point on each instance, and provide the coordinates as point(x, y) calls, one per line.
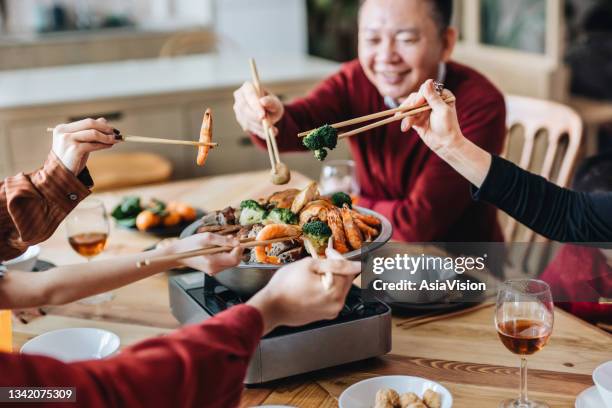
point(363, 393)
point(25, 262)
point(75, 344)
point(602, 377)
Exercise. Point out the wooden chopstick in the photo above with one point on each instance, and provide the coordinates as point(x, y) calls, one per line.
point(246, 243)
point(143, 139)
point(270, 140)
point(407, 111)
point(432, 317)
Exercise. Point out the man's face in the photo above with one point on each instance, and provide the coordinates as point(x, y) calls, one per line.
point(400, 45)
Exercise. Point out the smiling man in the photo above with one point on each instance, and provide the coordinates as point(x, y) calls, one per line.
point(402, 43)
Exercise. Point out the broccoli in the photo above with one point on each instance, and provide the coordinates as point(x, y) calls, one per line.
point(318, 233)
point(323, 137)
point(282, 216)
point(251, 212)
point(320, 154)
point(340, 198)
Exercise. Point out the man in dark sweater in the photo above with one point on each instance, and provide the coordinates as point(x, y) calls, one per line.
point(401, 44)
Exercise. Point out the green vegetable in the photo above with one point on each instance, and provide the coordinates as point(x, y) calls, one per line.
point(340, 198)
point(157, 207)
point(320, 154)
point(282, 216)
point(321, 138)
point(127, 209)
point(318, 233)
point(251, 212)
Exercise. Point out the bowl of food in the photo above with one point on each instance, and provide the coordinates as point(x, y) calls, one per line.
point(396, 391)
point(74, 344)
point(316, 221)
point(154, 216)
point(25, 262)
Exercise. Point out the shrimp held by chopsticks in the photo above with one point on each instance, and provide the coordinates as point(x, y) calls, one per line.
point(205, 137)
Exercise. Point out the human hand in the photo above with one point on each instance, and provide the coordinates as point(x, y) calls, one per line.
point(72, 142)
point(438, 128)
point(296, 295)
point(209, 264)
point(251, 110)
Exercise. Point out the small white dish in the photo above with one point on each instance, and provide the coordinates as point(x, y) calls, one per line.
point(25, 262)
point(363, 393)
point(602, 377)
point(589, 398)
point(75, 344)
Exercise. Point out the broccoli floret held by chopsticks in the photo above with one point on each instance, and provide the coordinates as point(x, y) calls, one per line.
point(318, 233)
point(325, 137)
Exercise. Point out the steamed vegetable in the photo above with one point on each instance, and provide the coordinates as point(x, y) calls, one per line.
point(282, 216)
point(340, 198)
point(318, 233)
point(251, 212)
point(325, 137)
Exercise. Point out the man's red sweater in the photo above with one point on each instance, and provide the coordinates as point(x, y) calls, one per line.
point(399, 176)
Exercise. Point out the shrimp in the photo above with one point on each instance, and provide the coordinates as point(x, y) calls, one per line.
point(315, 209)
point(334, 220)
point(353, 233)
point(205, 137)
point(270, 232)
point(368, 231)
point(371, 220)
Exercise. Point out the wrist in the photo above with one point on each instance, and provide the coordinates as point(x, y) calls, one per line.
point(453, 144)
point(267, 306)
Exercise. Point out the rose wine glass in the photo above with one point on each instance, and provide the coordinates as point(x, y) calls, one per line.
point(88, 228)
point(524, 318)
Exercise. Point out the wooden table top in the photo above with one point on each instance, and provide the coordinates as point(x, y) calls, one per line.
point(463, 353)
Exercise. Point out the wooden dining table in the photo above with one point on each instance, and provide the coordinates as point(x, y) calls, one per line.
point(461, 352)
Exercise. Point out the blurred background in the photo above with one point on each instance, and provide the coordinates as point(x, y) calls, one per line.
point(153, 66)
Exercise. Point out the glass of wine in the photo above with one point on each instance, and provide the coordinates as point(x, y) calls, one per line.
point(524, 318)
point(339, 175)
point(87, 228)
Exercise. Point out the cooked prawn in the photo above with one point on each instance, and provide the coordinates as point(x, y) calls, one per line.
point(368, 232)
point(270, 232)
point(334, 220)
point(371, 220)
point(315, 209)
point(205, 137)
point(353, 233)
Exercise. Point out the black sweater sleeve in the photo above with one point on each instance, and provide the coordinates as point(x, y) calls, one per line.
point(552, 211)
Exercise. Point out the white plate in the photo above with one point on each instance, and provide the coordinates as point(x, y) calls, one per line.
point(25, 262)
point(589, 398)
point(363, 393)
point(602, 377)
point(76, 344)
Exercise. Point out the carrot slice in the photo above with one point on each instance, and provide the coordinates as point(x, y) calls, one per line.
point(205, 137)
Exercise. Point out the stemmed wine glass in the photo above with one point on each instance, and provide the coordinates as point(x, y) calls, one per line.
point(87, 228)
point(524, 318)
point(339, 175)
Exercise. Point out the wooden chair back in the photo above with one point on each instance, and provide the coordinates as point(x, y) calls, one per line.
point(189, 42)
point(550, 144)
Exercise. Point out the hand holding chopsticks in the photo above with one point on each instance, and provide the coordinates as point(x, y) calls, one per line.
point(155, 140)
point(403, 111)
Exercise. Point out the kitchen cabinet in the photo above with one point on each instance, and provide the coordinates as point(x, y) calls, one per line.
point(155, 98)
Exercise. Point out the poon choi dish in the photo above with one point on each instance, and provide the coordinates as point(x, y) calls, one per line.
point(321, 220)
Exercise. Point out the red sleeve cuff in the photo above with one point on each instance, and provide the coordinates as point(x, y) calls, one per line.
point(246, 322)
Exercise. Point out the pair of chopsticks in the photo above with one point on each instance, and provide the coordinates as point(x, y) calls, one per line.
point(143, 139)
point(435, 316)
point(406, 112)
point(211, 250)
point(270, 139)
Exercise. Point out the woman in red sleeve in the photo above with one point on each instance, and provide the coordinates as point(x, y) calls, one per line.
point(401, 44)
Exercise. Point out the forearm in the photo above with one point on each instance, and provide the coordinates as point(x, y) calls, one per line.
point(469, 160)
point(65, 284)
